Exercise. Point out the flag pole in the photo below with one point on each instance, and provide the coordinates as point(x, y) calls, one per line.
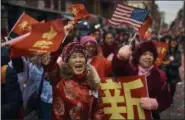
point(73, 22)
point(133, 38)
point(65, 37)
point(14, 25)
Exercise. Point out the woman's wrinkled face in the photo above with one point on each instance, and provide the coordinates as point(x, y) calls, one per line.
point(109, 39)
point(146, 60)
point(78, 63)
point(91, 49)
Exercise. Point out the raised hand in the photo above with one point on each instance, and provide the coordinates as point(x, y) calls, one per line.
point(68, 27)
point(124, 52)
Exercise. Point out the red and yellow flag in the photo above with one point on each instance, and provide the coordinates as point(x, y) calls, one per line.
point(44, 37)
point(162, 49)
point(79, 11)
point(144, 27)
point(23, 24)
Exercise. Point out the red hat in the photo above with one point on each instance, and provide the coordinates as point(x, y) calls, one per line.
point(143, 47)
point(71, 48)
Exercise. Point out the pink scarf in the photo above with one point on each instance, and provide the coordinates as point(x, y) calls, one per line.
point(144, 71)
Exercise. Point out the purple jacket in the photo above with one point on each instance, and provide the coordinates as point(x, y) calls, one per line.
point(156, 81)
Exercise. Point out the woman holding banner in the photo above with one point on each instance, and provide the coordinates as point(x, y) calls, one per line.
point(142, 63)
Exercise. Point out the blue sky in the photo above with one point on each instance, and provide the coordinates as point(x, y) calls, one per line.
point(170, 8)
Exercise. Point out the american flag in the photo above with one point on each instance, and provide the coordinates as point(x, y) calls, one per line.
point(129, 15)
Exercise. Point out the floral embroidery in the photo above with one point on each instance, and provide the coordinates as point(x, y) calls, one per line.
point(73, 91)
point(75, 112)
point(68, 90)
point(59, 106)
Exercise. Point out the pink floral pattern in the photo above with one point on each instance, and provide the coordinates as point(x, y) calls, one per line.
point(68, 90)
point(75, 112)
point(59, 106)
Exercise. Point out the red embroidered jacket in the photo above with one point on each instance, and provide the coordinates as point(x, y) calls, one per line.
point(74, 99)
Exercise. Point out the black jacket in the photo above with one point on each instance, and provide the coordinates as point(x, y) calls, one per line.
point(172, 69)
point(11, 97)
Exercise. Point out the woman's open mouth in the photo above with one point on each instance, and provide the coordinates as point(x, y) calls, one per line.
point(78, 68)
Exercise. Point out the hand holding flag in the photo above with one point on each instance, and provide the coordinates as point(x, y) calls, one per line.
point(68, 27)
point(79, 11)
point(125, 14)
point(132, 16)
point(44, 37)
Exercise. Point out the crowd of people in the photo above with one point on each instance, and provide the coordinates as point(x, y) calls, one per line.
point(65, 84)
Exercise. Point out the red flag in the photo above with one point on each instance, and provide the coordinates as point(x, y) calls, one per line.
point(79, 11)
point(162, 49)
point(44, 37)
point(23, 24)
point(144, 27)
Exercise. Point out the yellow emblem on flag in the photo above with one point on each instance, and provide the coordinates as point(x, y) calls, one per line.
point(42, 44)
point(25, 26)
point(38, 52)
point(50, 34)
point(75, 11)
point(45, 44)
point(163, 50)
